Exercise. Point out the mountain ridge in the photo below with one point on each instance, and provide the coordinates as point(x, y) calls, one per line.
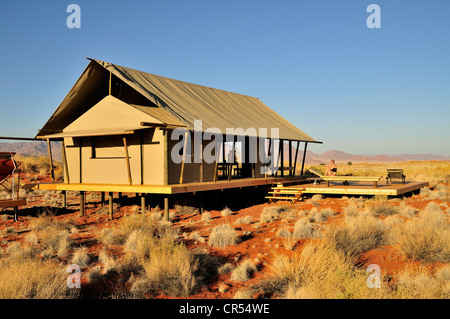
point(39, 148)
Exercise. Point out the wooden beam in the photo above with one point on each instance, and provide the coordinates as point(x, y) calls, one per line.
point(143, 203)
point(166, 157)
point(295, 159)
point(282, 157)
point(64, 199)
point(290, 156)
point(18, 138)
point(201, 164)
point(64, 158)
point(303, 161)
point(110, 205)
point(141, 153)
point(81, 159)
point(82, 208)
point(186, 134)
point(50, 157)
point(110, 80)
point(127, 159)
point(166, 208)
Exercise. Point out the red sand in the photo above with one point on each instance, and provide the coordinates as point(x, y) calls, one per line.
point(256, 246)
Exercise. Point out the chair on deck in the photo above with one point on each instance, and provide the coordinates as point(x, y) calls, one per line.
point(396, 173)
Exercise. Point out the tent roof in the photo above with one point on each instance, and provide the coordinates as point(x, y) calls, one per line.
point(177, 101)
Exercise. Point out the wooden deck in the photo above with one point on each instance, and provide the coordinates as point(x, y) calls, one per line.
point(12, 202)
point(166, 189)
point(360, 188)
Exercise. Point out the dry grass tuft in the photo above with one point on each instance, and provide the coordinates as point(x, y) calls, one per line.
point(426, 237)
point(170, 268)
point(244, 271)
point(361, 233)
point(226, 212)
point(223, 236)
point(32, 278)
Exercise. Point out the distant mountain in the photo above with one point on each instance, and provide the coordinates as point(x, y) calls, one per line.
point(39, 148)
point(339, 156)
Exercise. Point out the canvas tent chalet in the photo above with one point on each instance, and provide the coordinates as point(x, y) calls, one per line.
point(116, 124)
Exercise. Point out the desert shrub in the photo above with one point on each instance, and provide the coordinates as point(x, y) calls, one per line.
point(110, 264)
point(406, 211)
point(226, 212)
point(48, 220)
point(94, 275)
point(130, 223)
point(165, 229)
point(55, 240)
point(318, 271)
point(351, 210)
point(223, 236)
point(206, 216)
point(81, 257)
point(32, 278)
point(140, 243)
point(196, 237)
point(361, 233)
point(243, 271)
point(225, 269)
point(243, 294)
point(381, 208)
point(426, 237)
point(170, 268)
point(283, 232)
point(420, 285)
point(112, 236)
point(271, 213)
point(184, 210)
point(303, 228)
point(244, 220)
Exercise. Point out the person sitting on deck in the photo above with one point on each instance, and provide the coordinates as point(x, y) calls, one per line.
point(331, 169)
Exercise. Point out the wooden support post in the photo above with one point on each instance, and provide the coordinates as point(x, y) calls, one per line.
point(81, 159)
point(82, 203)
point(50, 159)
point(141, 157)
point(64, 158)
point(201, 164)
point(303, 161)
point(166, 208)
point(110, 205)
point(64, 199)
point(110, 80)
point(278, 159)
point(295, 159)
point(290, 158)
point(268, 156)
point(282, 156)
point(143, 203)
point(202, 202)
point(127, 159)
point(102, 198)
point(186, 135)
point(166, 157)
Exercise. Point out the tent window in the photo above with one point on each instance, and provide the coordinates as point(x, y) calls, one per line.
point(104, 147)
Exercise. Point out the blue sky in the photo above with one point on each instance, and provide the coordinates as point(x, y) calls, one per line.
point(359, 90)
